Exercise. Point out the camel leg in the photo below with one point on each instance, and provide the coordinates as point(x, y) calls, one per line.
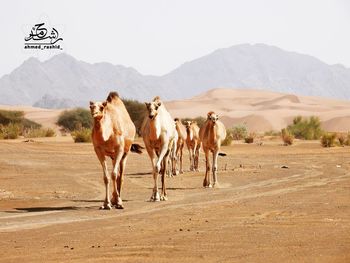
point(206, 182)
point(191, 159)
point(163, 152)
point(173, 157)
point(163, 196)
point(196, 158)
point(155, 195)
point(181, 154)
point(215, 168)
point(116, 177)
point(102, 159)
point(120, 179)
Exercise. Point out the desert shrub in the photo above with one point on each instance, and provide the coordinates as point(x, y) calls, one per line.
point(199, 120)
point(35, 133)
point(328, 139)
point(272, 133)
point(341, 139)
point(249, 138)
point(10, 131)
point(137, 112)
point(75, 119)
point(306, 128)
point(287, 137)
point(239, 132)
point(82, 135)
point(228, 139)
point(347, 139)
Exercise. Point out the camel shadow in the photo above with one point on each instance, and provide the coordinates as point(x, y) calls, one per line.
point(47, 209)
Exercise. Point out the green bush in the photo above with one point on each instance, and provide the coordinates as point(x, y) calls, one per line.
point(239, 132)
point(137, 112)
point(347, 139)
point(82, 135)
point(306, 128)
point(75, 119)
point(328, 139)
point(287, 137)
point(229, 138)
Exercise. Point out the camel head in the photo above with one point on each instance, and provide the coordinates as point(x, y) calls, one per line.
point(212, 116)
point(97, 109)
point(153, 108)
point(188, 125)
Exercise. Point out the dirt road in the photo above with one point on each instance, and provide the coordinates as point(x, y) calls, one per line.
point(51, 189)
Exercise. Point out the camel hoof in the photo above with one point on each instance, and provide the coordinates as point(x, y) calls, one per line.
point(106, 207)
point(181, 172)
point(155, 197)
point(210, 186)
point(119, 206)
point(163, 198)
point(216, 185)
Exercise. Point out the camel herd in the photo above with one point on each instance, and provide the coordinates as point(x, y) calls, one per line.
point(113, 136)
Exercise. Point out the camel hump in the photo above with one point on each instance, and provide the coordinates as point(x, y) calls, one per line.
point(112, 95)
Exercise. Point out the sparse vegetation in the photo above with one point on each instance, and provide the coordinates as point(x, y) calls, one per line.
point(272, 133)
point(306, 128)
point(82, 135)
point(341, 139)
point(328, 139)
point(287, 137)
point(137, 112)
point(229, 138)
point(13, 124)
point(75, 119)
point(239, 132)
point(40, 132)
point(249, 138)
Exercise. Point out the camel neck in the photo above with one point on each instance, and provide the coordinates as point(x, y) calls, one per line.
point(155, 129)
point(101, 127)
point(212, 130)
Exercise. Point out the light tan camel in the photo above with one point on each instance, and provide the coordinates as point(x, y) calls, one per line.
point(212, 133)
point(193, 144)
point(181, 131)
point(160, 137)
point(112, 136)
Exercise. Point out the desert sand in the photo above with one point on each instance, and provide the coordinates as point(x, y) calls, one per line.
point(51, 190)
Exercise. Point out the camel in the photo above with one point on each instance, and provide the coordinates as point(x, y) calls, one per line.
point(193, 144)
point(181, 131)
point(160, 137)
point(113, 134)
point(212, 133)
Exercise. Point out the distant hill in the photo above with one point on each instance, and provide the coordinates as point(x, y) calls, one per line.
point(64, 81)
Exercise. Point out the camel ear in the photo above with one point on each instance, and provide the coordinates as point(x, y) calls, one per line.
point(147, 104)
point(104, 104)
point(91, 103)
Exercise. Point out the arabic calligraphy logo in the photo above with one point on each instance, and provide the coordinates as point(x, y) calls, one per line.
point(39, 39)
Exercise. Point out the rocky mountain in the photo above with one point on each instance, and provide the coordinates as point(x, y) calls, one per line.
point(63, 81)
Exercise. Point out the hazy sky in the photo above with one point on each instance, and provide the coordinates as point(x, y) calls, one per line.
point(156, 36)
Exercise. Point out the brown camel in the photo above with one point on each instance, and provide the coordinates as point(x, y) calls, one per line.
point(193, 144)
point(181, 131)
point(112, 136)
point(160, 137)
point(212, 133)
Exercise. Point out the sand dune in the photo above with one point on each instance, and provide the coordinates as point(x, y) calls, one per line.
point(260, 110)
point(264, 110)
